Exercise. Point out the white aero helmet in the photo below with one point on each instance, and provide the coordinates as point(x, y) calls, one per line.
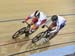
point(37, 13)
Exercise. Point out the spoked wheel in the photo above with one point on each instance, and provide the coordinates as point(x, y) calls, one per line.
point(37, 37)
point(19, 32)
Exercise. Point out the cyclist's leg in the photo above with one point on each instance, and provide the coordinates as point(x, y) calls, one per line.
point(38, 23)
point(34, 20)
point(33, 26)
point(52, 35)
point(43, 21)
point(49, 35)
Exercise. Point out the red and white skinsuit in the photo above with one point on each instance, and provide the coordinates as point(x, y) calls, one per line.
point(37, 21)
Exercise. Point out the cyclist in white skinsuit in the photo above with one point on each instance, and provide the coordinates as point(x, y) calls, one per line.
point(58, 23)
point(38, 18)
point(41, 17)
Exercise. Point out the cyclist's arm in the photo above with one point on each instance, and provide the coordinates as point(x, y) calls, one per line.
point(56, 29)
point(29, 17)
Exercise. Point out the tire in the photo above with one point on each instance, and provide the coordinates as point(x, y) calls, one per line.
point(18, 33)
point(37, 37)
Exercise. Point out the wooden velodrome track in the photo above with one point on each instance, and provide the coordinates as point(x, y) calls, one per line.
point(18, 9)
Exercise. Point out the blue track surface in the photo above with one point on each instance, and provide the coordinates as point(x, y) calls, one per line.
point(57, 52)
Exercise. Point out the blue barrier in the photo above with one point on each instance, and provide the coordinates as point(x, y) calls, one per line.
point(57, 52)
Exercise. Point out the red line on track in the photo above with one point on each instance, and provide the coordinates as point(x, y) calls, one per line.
point(28, 40)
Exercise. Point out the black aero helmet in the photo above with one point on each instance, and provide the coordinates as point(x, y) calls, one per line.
point(37, 13)
point(54, 18)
